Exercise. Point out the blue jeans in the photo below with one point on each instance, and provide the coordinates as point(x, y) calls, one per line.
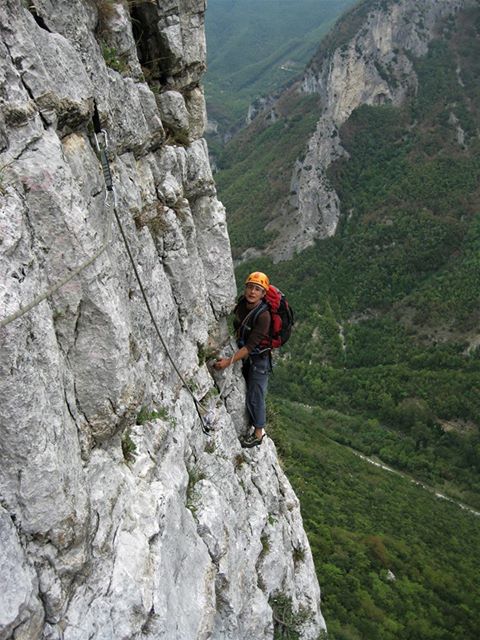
point(256, 371)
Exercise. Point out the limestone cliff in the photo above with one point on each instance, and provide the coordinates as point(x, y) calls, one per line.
point(367, 59)
point(112, 526)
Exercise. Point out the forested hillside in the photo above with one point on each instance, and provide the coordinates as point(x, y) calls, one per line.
point(257, 46)
point(255, 169)
point(386, 349)
point(389, 311)
point(394, 561)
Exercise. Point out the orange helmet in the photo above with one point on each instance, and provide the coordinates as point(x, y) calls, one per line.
point(257, 277)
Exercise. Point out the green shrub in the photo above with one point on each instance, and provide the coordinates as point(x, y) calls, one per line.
point(287, 623)
point(129, 448)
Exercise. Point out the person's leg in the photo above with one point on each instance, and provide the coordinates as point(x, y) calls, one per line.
point(257, 383)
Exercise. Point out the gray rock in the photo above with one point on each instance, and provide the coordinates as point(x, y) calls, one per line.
point(174, 112)
point(197, 112)
point(20, 608)
point(109, 528)
point(44, 60)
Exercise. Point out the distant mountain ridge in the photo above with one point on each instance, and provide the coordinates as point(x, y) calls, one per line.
point(256, 47)
point(374, 67)
point(366, 59)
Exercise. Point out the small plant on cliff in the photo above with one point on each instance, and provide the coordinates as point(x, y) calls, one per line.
point(129, 448)
point(113, 59)
point(194, 476)
point(265, 540)
point(298, 554)
point(145, 415)
point(239, 461)
point(205, 353)
point(210, 447)
point(105, 8)
point(287, 623)
point(272, 519)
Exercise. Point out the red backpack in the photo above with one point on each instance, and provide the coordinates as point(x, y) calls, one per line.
point(282, 317)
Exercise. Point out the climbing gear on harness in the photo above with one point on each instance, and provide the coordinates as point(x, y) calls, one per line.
point(257, 277)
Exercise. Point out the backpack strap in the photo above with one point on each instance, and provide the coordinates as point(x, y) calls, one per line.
point(247, 325)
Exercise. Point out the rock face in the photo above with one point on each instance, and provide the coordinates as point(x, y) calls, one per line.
point(369, 64)
point(112, 529)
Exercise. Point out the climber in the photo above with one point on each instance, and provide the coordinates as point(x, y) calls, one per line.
point(252, 325)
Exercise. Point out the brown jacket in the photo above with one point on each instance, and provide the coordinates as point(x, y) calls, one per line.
point(250, 336)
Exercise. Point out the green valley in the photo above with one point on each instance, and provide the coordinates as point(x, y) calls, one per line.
point(385, 355)
point(394, 562)
point(257, 46)
point(389, 308)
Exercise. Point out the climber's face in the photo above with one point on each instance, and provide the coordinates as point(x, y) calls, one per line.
point(254, 293)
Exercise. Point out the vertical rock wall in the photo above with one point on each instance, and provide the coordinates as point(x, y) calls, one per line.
point(111, 529)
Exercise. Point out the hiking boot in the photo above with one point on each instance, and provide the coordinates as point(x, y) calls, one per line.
point(252, 440)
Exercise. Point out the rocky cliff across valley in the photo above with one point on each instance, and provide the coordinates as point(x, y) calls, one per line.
point(367, 59)
point(119, 517)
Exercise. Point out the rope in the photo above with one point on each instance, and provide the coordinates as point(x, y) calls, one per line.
point(207, 420)
point(154, 321)
point(54, 288)
point(102, 149)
